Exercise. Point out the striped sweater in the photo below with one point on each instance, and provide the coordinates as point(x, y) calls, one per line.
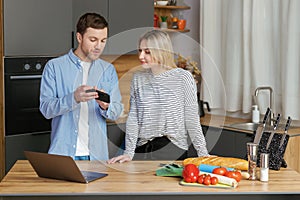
point(164, 105)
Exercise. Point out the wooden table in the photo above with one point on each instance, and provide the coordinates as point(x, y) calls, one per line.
point(137, 178)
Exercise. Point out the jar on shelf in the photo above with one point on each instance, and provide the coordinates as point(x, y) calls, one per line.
point(172, 2)
point(174, 23)
point(156, 18)
point(181, 24)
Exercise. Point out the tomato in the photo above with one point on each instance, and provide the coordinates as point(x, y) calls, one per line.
point(201, 178)
point(214, 180)
point(220, 171)
point(188, 179)
point(238, 176)
point(234, 174)
point(190, 173)
point(207, 180)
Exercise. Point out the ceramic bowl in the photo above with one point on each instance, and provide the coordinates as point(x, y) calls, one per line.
point(162, 3)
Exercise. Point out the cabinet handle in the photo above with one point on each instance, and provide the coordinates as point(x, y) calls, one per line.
point(25, 77)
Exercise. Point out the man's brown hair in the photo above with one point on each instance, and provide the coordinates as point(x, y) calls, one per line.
point(92, 20)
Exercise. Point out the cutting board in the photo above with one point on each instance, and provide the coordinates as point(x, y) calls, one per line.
point(182, 182)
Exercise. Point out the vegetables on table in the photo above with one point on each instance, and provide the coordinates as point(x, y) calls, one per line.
point(234, 174)
point(206, 179)
point(223, 179)
point(220, 171)
point(231, 174)
point(201, 178)
point(190, 173)
point(245, 175)
point(214, 180)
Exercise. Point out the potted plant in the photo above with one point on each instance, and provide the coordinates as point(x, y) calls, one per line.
point(163, 23)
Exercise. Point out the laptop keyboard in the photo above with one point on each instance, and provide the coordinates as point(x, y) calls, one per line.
point(87, 176)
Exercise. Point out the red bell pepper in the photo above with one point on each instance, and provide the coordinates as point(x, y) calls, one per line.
point(190, 173)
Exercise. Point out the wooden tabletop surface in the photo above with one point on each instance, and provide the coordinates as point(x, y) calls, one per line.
point(136, 177)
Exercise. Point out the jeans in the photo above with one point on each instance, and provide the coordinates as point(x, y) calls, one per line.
point(82, 158)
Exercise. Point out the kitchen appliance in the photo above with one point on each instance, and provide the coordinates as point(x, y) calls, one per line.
point(22, 77)
point(25, 127)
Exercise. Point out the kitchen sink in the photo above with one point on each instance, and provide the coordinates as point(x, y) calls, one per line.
point(249, 126)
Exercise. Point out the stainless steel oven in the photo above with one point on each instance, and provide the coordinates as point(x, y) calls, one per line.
point(22, 76)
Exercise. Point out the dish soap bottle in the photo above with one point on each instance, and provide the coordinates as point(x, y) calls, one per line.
point(255, 114)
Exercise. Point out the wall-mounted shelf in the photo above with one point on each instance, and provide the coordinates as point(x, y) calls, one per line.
point(169, 11)
point(173, 7)
point(175, 30)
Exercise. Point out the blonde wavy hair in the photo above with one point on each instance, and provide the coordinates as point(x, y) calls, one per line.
point(160, 46)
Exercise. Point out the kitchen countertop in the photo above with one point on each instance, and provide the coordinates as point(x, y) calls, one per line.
point(219, 121)
point(138, 178)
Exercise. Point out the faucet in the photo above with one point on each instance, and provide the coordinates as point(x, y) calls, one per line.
point(271, 99)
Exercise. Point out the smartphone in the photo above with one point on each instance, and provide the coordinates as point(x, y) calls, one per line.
point(102, 95)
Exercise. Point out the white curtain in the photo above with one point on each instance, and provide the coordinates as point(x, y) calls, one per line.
point(247, 44)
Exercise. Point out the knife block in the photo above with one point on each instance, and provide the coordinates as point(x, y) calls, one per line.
point(275, 152)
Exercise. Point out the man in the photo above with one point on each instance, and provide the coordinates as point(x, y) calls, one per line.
point(78, 118)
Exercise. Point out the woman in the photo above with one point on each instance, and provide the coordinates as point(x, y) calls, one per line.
point(163, 106)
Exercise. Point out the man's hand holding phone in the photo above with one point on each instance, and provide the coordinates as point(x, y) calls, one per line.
point(103, 98)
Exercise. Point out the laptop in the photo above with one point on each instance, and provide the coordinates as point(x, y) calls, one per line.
point(60, 167)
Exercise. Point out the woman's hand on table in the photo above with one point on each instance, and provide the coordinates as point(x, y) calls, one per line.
point(120, 159)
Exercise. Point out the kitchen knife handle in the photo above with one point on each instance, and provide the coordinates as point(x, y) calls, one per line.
point(288, 122)
point(277, 121)
point(268, 112)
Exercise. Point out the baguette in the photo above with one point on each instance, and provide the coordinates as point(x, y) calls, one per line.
point(237, 163)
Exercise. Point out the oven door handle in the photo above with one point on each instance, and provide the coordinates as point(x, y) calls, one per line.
point(25, 77)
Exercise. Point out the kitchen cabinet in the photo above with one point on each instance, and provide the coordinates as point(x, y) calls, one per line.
point(17, 144)
point(229, 143)
point(222, 142)
point(170, 11)
point(116, 138)
point(43, 27)
point(80, 7)
point(37, 27)
point(128, 20)
point(125, 21)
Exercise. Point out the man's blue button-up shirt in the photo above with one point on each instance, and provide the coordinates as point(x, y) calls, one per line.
point(60, 79)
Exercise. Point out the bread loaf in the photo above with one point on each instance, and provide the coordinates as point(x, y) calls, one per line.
point(237, 163)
